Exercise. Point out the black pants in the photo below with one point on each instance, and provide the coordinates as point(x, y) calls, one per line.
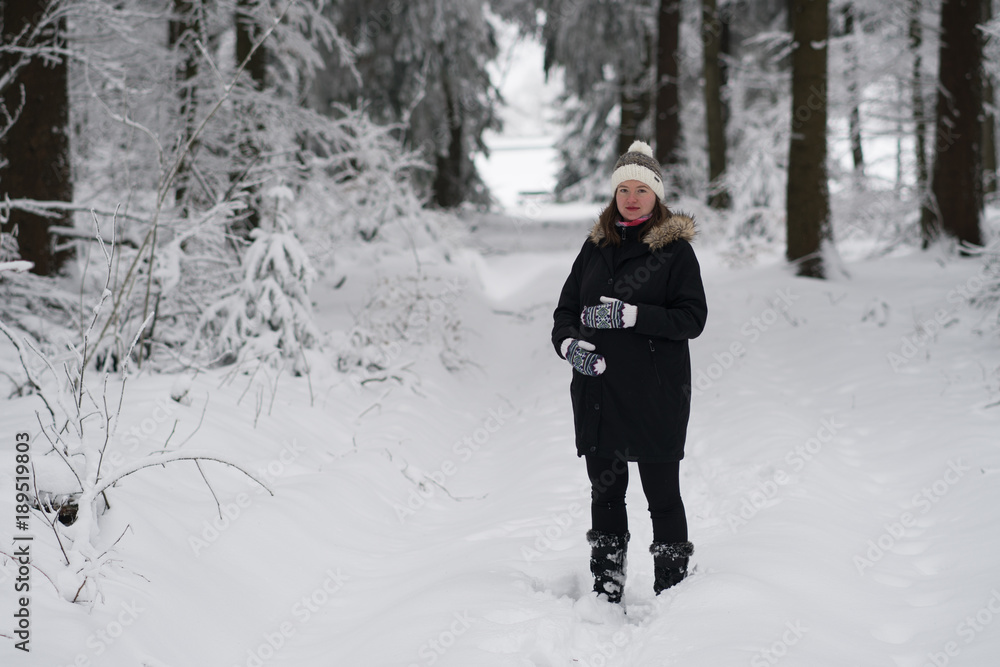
point(660, 483)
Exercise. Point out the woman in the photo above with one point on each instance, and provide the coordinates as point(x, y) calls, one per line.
point(632, 300)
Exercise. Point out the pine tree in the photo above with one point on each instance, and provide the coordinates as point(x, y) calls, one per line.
point(605, 50)
point(421, 65)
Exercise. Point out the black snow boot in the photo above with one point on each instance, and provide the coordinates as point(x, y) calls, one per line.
point(607, 563)
point(670, 561)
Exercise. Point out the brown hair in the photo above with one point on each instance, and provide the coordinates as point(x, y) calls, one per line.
point(611, 215)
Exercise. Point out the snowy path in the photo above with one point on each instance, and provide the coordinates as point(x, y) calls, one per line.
point(832, 498)
point(842, 500)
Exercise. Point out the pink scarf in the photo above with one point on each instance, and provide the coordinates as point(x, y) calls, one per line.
point(634, 223)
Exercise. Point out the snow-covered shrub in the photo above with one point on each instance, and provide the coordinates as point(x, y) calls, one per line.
point(8, 248)
point(9, 257)
point(78, 415)
point(404, 315)
point(268, 311)
point(194, 184)
point(360, 186)
point(758, 154)
point(37, 305)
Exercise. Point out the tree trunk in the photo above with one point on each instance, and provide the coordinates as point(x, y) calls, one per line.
point(715, 121)
point(246, 36)
point(854, 120)
point(957, 175)
point(725, 51)
point(249, 148)
point(37, 147)
point(920, 122)
point(989, 138)
point(989, 121)
point(448, 190)
point(668, 120)
point(808, 197)
point(182, 33)
point(636, 101)
point(630, 116)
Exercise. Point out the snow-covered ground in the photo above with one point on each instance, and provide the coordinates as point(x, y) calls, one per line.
point(839, 482)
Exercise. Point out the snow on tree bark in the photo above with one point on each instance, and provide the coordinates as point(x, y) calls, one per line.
point(989, 113)
point(915, 41)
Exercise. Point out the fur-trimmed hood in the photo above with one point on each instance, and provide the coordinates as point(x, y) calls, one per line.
point(677, 226)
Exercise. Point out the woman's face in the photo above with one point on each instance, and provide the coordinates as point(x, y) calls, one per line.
point(635, 199)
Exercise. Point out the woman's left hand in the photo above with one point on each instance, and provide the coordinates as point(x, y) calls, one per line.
point(611, 314)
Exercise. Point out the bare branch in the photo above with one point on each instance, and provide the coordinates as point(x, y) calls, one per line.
point(218, 505)
point(4, 553)
point(59, 451)
point(55, 209)
point(24, 364)
point(160, 459)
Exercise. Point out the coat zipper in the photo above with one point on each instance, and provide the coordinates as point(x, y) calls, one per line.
point(652, 357)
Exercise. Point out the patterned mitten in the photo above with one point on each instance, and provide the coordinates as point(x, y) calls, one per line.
point(611, 314)
point(580, 354)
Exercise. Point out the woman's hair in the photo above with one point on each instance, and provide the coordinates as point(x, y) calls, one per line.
point(611, 215)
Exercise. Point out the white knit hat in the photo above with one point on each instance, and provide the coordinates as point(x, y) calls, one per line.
point(638, 164)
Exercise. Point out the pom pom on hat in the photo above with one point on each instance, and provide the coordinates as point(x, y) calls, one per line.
point(641, 147)
point(638, 164)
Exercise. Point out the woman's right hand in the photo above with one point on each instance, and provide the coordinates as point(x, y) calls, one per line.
point(583, 357)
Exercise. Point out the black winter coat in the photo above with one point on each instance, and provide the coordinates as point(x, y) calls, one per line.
point(638, 408)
